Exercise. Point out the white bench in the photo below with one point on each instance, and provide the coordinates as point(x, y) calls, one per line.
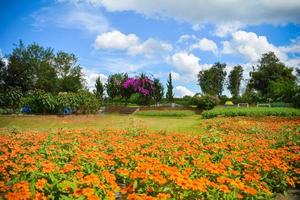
point(263, 105)
point(243, 105)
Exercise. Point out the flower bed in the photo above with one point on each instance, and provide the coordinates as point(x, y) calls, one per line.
point(241, 158)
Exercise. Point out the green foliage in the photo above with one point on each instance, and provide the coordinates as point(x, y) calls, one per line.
point(99, 91)
point(2, 74)
point(206, 102)
point(185, 101)
point(82, 102)
point(235, 77)
point(36, 67)
point(114, 84)
point(69, 72)
point(212, 80)
point(165, 113)
point(170, 94)
point(251, 112)
point(67, 100)
point(7, 111)
point(296, 97)
point(88, 103)
point(272, 78)
point(158, 91)
point(11, 98)
point(39, 101)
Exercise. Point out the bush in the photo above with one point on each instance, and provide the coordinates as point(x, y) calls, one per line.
point(88, 103)
point(296, 98)
point(206, 102)
point(11, 98)
point(67, 101)
point(165, 113)
point(39, 101)
point(251, 112)
point(6, 111)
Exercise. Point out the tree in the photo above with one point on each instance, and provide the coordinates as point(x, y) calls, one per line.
point(235, 78)
point(170, 94)
point(3, 70)
point(99, 88)
point(212, 80)
point(70, 76)
point(158, 92)
point(20, 71)
point(298, 74)
point(31, 67)
point(114, 84)
point(271, 78)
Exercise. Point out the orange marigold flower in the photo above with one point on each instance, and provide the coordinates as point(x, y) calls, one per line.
point(40, 184)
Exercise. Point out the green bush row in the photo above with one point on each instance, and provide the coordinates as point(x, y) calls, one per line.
point(39, 101)
point(251, 112)
point(166, 113)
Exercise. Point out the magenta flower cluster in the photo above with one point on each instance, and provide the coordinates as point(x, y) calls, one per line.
point(143, 86)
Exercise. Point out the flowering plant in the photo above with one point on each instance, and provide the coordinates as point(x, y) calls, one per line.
point(144, 86)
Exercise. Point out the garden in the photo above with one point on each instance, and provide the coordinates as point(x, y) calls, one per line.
point(128, 138)
point(228, 158)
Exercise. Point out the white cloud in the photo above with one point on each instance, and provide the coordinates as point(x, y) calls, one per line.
point(90, 77)
point(116, 40)
point(224, 29)
point(150, 47)
point(186, 64)
point(175, 75)
point(197, 27)
point(251, 46)
point(181, 91)
point(71, 17)
point(205, 44)
point(215, 11)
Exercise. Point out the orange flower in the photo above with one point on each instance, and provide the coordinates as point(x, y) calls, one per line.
point(40, 184)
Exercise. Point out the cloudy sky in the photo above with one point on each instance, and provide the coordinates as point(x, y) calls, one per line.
point(158, 36)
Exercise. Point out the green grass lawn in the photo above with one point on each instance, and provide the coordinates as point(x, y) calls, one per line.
point(52, 122)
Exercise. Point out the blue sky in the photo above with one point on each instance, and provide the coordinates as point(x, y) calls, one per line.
point(156, 37)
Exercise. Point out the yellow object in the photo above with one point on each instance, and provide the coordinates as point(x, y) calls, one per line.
point(229, 103)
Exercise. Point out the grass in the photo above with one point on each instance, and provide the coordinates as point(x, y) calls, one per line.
point(251, 112)
point(52, 122)
point(165, 113)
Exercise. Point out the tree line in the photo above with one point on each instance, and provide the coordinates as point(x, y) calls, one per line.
point(270, 81)
point(35, 67)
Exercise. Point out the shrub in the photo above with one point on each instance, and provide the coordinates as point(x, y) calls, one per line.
point(165, 113)
point(296, 98)
point(206, 102)
point(67, 100)
point(39, 101)
point(251, 112)
point(88, 103)
point(11, 98)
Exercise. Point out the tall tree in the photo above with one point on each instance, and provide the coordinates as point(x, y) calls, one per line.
point(31, 67)
point(158, 90)
point(3, 70)
point(70, 76)
point(272, 78)
point(99, 89)
point(20, 73)
point(114, 84)
point(212, 80)
point(170, 94)
point(42, 61)
point(235, 77)
point(298, 74)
